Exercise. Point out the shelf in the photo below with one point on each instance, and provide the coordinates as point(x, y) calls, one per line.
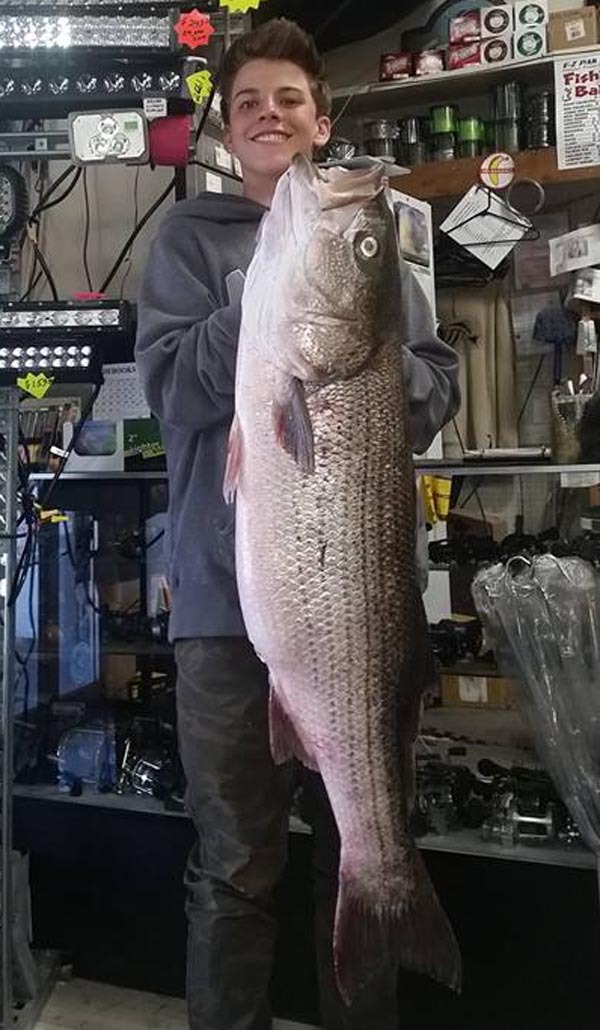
point(119, 476)
point(468, 842)
point(383, 97)
point(460, 468)
point(462, 842)
point(437, 179)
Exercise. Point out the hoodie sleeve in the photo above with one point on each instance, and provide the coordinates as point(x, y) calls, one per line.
point(431, 367)
point(186, 343)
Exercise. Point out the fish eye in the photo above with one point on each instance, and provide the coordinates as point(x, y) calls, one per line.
point(368, 247)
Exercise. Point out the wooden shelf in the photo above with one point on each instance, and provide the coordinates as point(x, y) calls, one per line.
point(438, 179)
point(377, 98)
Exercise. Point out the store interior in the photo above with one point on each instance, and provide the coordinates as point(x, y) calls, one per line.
point(488, 116)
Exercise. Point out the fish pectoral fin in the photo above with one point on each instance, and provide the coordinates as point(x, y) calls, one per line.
point(411, 932)
point(286, 742)
point(234, 461)
point(293, 427)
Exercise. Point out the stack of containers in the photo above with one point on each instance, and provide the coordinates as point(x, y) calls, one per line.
point(508, 113)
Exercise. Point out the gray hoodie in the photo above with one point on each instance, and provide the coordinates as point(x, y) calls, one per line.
point(188, 325)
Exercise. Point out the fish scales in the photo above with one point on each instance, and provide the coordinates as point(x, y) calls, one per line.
point(325, 546)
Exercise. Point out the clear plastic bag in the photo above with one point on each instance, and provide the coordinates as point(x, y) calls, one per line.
point(543, 619)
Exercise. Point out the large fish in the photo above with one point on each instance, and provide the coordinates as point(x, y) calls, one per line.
point(325, 544)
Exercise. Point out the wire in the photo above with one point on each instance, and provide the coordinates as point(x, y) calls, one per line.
point(67, 453)
point(45, 269)
point(86, 233)
point(206, 111)
point(142, 222)
point(534, 380)
point(218, 171)
point(71, 556)
point(136, 200)
point(64, 194)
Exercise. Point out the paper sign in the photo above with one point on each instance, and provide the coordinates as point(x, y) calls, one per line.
point(473, 690)
point(194, 29)
point(214, 183)
point(486, 226)
point(237, 167)
point(155, 107)
point(199, 85)
point(223, 158)
point(578, 249)
point(36, 385)
point(240, 6)
point(577, 85)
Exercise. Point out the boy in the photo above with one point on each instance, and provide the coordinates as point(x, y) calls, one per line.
point(276, 103)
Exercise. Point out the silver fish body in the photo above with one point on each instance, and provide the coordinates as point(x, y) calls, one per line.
point(325, 547)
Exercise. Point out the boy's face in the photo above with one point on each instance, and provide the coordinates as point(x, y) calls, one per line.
point(272, 117)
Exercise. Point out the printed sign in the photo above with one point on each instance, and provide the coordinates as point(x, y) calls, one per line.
point(577, 84)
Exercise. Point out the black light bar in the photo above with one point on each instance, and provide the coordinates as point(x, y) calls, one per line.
point(61, 342)
point(117, 81)
point(65, 32)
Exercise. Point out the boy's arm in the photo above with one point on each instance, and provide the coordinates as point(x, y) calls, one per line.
point(186, 344)
point(430, 366)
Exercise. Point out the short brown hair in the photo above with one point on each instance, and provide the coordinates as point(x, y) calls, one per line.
point(276, 40)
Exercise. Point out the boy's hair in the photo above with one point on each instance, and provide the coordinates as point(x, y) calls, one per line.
point(276, 40)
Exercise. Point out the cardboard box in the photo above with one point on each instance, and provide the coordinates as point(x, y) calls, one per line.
point(395, 66)
point(465, 28)
point(530, 14)
point(463, 56)
point(491, 692)
point(531, 44)
point(577, 27)
point(498, 50)
point(429, 62)
point(497, 21)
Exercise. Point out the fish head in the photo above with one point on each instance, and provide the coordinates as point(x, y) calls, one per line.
point(346, 280)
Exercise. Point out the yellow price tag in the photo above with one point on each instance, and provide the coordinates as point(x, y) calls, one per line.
point(240, 6)
point(37, 386)
point(200, 85)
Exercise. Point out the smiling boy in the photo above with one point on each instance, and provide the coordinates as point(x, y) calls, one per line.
point(276, 104)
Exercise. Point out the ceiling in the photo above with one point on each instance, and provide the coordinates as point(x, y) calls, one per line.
point(346, 21)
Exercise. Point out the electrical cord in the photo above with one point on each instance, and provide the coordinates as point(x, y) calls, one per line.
point(86, 233)
point(45, 269)
point(72, 442)
point(133, 235)
point(136, 215)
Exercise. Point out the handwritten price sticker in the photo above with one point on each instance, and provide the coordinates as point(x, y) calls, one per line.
point(241, 6)
point(194, 29)
point(37, 386)
point(199, 85)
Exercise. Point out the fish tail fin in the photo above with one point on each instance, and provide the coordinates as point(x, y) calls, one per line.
point(415, 935)
point(234, 461)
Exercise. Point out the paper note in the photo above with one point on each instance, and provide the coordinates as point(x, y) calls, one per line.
point(578, 249)
point(121, 394)
point(486, 226)
point(577, 87)
point(214, 183)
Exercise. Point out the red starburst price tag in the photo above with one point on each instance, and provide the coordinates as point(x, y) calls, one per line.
point(194, 29)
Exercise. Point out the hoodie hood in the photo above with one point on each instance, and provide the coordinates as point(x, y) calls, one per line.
point(218, 207)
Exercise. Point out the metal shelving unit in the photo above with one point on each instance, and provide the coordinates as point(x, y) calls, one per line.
point(441, 467)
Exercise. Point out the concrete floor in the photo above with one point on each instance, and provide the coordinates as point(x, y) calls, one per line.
point(84, 1005)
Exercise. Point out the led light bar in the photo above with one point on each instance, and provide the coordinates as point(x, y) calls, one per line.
point(112, 82)
point(110, 137)
point(43, 32)
point(70, 317)
point(14, 205)
point(33, 359)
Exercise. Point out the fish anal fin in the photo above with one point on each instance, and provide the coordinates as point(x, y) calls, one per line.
point(414, 934)
point(293, 426)
point(234, 461)
point(286, 742)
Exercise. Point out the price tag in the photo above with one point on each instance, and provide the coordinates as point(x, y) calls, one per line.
point(214, 183)
point(223, 158)
point(155, 107)
point(194, 29)
point(41, 144)
point(241, 6)
point(237, 167)
point(37, 386)
point(199, 85)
